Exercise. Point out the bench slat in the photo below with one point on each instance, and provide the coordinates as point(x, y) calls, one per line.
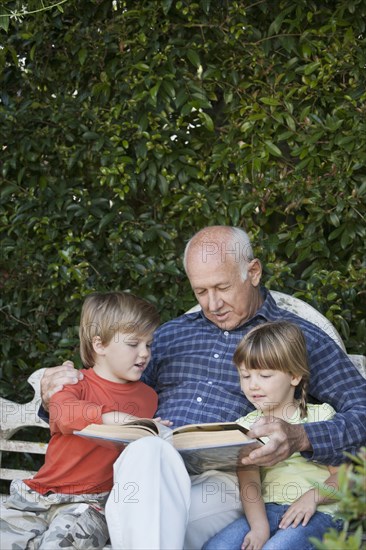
point(7, 473)
point(23, 447)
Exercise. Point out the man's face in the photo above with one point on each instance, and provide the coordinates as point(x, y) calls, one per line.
point(224, 297)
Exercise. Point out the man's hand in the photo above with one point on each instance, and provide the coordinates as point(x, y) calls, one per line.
point(284, 440)
point(55, 378)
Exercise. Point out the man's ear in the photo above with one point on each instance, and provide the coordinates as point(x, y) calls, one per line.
point(255, 272)
point(98, 346)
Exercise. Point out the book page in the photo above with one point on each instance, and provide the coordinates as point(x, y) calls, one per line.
point(128, 431)
point(203, 439)
point(211, 427)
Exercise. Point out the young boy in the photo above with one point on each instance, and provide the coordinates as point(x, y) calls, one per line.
point(62, 506)
point(283, 505)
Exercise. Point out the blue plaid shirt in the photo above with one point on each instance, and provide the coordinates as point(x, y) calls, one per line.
point(193, 373)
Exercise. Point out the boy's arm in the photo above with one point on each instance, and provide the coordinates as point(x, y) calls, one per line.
point(253, 506)
point(117, 418)
point(69, 412)
point(305, 507)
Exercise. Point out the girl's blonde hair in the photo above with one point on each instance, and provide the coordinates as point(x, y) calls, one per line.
point(106, 313)
point(277, 345)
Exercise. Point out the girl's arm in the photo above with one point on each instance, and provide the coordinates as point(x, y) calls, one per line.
point(305, 507)
point(253, 506)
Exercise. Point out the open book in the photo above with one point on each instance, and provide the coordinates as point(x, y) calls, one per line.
point(214, 446)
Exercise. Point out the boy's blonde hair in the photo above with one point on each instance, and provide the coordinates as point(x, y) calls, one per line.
point(277, 345)
point(106, 313)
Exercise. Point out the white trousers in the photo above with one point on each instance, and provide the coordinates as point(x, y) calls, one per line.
point(155, 505)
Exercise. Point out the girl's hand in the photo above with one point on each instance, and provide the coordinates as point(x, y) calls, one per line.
point(300, 511)
point(254, 540)
point(163, 422)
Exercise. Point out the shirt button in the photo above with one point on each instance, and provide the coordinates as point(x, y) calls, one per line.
point(216, 355)
point(226, 333)
point(199, 399)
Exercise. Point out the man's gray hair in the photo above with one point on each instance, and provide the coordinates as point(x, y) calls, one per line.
point(239, 244)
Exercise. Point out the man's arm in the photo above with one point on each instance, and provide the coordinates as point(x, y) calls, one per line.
point(335, 380)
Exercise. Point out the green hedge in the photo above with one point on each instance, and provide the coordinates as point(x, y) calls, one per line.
point(127, 126)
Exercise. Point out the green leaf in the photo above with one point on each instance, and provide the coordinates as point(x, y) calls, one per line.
point(273, 149)
point(82, 55)
point(246, 126)
point(194, 58)
point(276, 24)
point(302, 164)
point(205, 6)
point(169, 87)
point(207, 121)
point(167, 4)
point(106, 220)
point(90, 136)
point(290, 122)
point(270, 101)
point(142, 67)
point(334, 219)
point(163, 185)
point(311, 67)
point(8, 190)
point(181, 98)
point(154, 92)
point(4, 21)
point(336, 232)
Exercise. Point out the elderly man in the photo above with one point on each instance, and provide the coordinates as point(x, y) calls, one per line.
point(191, 369)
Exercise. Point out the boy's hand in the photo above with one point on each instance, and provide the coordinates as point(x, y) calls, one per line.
point(254, 540)
point(163, 422)
point(300, 511)
point(55, 378)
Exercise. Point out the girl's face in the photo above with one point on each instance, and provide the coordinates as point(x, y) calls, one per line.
point(270, 391)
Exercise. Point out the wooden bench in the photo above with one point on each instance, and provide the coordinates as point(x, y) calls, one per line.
point(15, 417)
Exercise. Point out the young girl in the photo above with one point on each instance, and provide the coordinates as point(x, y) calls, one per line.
point(283, 505)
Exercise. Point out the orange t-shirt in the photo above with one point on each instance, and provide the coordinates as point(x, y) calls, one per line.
point(75, 465)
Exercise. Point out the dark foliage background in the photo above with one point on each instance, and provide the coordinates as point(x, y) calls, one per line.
point(127, 126)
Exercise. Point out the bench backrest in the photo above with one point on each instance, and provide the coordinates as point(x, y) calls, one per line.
point(14, 417)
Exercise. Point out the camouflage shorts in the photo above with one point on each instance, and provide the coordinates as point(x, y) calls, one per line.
point(33, 521)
